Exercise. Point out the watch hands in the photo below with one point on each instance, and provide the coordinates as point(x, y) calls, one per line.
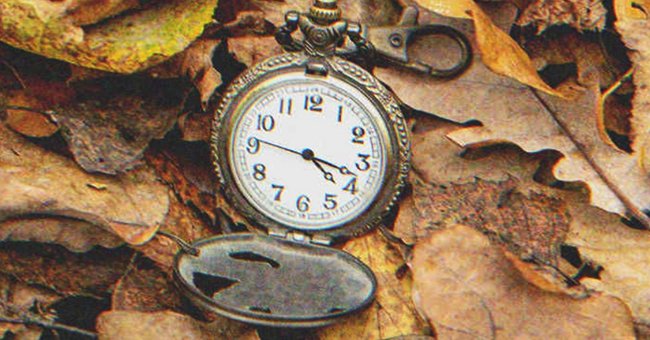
point(308, 155)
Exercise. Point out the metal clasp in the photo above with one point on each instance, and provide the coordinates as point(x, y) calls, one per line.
point(391, 43)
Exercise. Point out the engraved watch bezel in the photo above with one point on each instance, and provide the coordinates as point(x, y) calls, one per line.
point(260, 76)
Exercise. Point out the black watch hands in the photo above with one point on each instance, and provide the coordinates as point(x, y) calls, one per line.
point(310, 156)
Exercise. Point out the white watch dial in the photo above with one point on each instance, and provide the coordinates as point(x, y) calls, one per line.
point(309, 153)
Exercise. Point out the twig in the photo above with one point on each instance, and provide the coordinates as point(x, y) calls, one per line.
point(14, 72)
point(49, 325)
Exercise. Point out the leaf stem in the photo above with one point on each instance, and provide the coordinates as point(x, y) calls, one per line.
point(49, 325)
point(629, 205)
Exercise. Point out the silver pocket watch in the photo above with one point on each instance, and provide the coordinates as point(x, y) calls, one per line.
point(311, 149)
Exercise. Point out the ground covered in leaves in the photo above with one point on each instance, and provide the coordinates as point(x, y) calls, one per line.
point(526, 214)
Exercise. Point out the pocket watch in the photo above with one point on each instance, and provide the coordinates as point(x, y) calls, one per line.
point(311, 148)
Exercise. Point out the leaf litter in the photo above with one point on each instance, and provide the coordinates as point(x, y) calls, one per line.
point(536, 245)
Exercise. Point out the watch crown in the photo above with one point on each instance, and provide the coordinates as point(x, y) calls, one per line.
point(326, 11)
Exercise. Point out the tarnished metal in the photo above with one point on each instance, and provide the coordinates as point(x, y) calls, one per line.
point(326, 34)
point(274, 282)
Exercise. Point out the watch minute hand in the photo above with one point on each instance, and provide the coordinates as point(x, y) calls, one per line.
point(279, 147)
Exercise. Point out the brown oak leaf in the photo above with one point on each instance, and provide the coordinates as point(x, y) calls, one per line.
point(40, 183)
point(467, 288)
point(579, 14)
point(512, 112)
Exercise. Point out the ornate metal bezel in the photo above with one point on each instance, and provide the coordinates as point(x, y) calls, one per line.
point(399, 149)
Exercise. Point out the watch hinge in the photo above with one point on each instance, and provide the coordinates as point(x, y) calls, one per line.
point(316, 68)
point(296, 236)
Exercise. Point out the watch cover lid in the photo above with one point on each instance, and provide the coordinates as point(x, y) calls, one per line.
point(272, 281)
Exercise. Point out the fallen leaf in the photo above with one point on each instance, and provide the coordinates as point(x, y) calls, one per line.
point(579, 14)
point(196, 64)
point(66, 273)
point(145, 288)
point(29, 122)
point(467, 288)
point(512, 112)
point(73, 234)
point(112, 123)
point(498, 50)
point(195, 127)
point(633, 30)
point(37, 182)
point(490, 190)
point(622, 252)
point(393, 313)
point(118, 325)
point(124, 44)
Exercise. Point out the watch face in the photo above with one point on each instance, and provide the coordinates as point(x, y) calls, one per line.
point(309, 153)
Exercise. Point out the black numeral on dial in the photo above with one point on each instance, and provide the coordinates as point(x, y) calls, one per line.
point(302, 203)
point(362, 164)
point(279, 189)
point(359, 133)
point(286, 106)
point(253, 146)
point(314, 103)
point(259, 172)
point(330, 202)
point(351, 187)
point(265, 123)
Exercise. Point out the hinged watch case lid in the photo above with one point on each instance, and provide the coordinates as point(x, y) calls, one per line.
point(290, 276)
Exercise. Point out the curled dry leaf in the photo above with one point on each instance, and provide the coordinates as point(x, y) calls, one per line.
point(126, 43)
point(634, 27)
point(512, 112)
point(467, 288)
point(73, 234)
point(498, 50)
point(393, 313)
point(37, 182)
point(579, 14)
point(118, 325)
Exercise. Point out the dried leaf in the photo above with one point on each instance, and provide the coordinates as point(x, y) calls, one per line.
point(145, 288)
point(109, 131)
point(634, 31)
point(622, 252)
point(579, 14)
point(66, 273)
point(118, 325)
point(73, 234)
point(16, 299)
point(39, 182)
point(498, 50)
point(124, 44)
point(196, 64)
point(29, 122)
point(393, 313)
point(511, 112)
point(468, 288)
point(491, 190)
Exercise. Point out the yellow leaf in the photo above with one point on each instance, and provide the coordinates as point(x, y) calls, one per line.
point(631, 9)
point(498, 50)
point(125, 44)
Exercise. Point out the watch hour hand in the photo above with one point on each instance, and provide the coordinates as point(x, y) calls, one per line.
point(326, 174)
point(342, 169)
